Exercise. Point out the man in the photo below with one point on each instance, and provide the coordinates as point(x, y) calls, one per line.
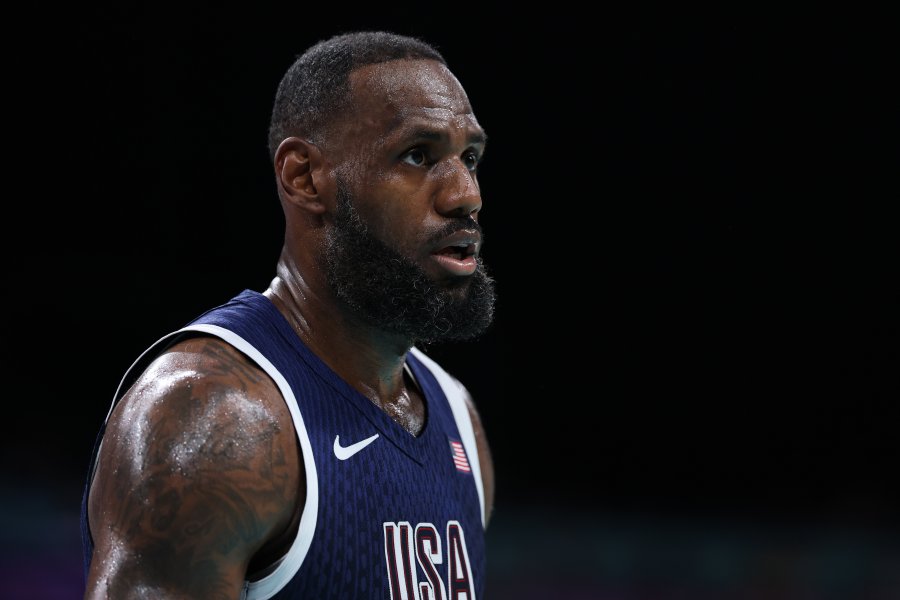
point(296, 443)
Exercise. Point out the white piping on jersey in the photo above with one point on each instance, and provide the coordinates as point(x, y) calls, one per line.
point(284, 569)
point(456, 395)
point(289, 564)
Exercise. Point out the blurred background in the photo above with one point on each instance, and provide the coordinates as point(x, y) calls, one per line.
point(691, 386)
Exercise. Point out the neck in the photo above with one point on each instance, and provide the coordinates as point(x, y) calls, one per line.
point(370, 360)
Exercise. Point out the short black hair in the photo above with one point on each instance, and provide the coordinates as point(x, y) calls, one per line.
point(316, 87)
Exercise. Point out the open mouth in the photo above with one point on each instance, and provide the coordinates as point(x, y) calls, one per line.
point(458, 254)
point(458, 251)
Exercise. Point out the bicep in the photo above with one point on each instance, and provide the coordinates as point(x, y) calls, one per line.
point(195, 474)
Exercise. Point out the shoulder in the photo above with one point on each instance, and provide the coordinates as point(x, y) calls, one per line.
point(203, 407)
point(439, 372)
point(203, 387)
point(198, 467)
point(485, 459)
point(449, 382)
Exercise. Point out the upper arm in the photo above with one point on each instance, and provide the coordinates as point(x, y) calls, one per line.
point(198, 469)
point(485, 460)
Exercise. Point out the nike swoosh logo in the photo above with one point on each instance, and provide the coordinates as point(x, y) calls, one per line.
point(345, 452)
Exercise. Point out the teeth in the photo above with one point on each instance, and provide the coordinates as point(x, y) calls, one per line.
point(464, 248)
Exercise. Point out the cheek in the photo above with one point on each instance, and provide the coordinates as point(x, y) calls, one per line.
point(400, 217)
point(402, 230)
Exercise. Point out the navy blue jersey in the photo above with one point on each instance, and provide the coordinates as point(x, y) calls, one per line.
point(388, 515)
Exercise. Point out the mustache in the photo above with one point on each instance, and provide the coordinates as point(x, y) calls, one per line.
point(458, 224)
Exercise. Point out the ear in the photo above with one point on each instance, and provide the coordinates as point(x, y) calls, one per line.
point(298, 174)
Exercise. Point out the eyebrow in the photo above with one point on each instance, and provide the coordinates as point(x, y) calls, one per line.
point(474, 139)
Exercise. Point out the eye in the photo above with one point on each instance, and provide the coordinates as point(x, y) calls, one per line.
point(471, 159)
point(415, 157)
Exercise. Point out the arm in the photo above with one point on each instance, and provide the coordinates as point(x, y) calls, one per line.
point(199, 472)
point(485, 460)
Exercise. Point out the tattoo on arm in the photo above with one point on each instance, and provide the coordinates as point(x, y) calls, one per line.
point(201, 477)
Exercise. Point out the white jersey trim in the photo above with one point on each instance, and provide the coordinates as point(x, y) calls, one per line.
point(284, 569)
point(456, 395)
point(289, 564)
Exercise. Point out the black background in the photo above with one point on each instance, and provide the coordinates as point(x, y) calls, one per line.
point(688, 216)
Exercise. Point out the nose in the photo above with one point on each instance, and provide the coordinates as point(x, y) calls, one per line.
point(458, 194)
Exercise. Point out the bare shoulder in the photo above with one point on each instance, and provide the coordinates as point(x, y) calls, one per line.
point(198, 471)
point(485, 459)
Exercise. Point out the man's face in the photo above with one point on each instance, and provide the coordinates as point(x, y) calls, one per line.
point(386, 288)
point(404, 247)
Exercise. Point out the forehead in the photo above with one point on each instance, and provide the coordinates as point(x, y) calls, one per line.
point(397, 92)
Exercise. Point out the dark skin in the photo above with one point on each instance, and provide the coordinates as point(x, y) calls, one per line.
point(200, 478)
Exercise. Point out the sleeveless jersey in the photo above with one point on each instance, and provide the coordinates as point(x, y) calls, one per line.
point(387, 515)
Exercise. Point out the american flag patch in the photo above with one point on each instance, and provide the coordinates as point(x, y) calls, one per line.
point(459, 457)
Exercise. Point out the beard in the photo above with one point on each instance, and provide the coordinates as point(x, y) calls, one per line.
point(385, 289)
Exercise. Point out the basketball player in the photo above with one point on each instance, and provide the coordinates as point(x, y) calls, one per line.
point(297, 442)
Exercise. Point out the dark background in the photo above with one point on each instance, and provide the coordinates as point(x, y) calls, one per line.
point(691, 386)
